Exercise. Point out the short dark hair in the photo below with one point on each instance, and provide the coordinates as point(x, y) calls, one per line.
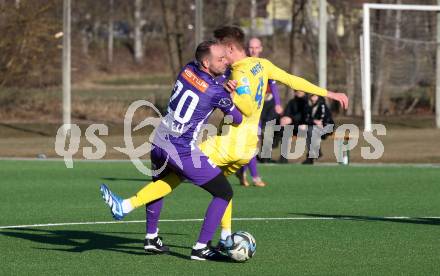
point(231, 34)
point(204, 49)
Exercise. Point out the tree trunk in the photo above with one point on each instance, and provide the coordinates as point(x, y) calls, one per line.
point(350, 80)
point(292, 41)
point(297, 8)
point(138, 52)
point(253, 11)
point(357, 100)
point(85, 42)
point(311, 36)
point(110, 33)
point(351, 71)
point(179, 33)
point(170, 19)
point(230, 11)
point(381, 70)
point(274, 36)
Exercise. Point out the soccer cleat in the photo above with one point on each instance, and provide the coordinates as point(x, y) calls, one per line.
point(223, 245)
point(241, 175)
point(113, 201)
point(283, 160)
point(308, 161)
point(207, 253)
point(244, 182)
point(260, 183)
point(155, 246)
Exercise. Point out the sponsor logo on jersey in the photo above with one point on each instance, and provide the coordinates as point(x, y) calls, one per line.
point(243, 86)
point(245, 81)
point(195, 80)
point(241, 90)
point(225, 102)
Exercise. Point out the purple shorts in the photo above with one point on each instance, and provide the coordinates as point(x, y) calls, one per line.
point(194, 166)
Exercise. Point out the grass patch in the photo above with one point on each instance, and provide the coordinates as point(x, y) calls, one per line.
point(359, 241)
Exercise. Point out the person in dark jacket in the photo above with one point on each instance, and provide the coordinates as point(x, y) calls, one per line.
point(308, 114)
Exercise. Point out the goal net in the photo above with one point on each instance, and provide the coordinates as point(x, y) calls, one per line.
point(399, 59)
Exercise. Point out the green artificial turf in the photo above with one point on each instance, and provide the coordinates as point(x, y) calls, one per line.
point(350, 221)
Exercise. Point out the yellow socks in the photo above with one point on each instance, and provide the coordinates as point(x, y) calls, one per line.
point(227, 222)
point(155, 190)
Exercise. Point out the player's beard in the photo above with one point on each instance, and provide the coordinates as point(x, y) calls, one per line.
point(218, 71)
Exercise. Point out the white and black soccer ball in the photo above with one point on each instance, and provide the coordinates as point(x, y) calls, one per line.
point(241, 246)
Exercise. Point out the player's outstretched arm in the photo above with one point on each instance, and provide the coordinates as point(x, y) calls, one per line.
point(340, 97)
point(301, 84)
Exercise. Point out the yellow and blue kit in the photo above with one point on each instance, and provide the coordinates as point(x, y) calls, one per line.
point(234, 149)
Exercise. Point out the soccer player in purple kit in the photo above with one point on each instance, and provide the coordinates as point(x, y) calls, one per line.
point(196, 94)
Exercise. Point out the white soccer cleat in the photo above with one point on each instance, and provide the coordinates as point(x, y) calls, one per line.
point(112, 201)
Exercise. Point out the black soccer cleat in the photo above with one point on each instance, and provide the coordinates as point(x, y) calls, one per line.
point(308, 161)
point(207, 253)
point(155, 246)
point(221, 246)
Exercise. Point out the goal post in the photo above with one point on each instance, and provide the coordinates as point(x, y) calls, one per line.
point(366, 66)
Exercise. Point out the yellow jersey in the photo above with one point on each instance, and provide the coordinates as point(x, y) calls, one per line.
point(239, 144)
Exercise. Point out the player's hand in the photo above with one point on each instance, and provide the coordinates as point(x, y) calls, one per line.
point(340, 97)
point(230, 85)
point(286, 121)
point(278, 109)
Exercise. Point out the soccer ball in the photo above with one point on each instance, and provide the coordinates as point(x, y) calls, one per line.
point(240, 246)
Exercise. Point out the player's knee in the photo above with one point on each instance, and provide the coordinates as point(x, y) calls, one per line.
point(219, 187)
point(225, 192)
point(229, 193)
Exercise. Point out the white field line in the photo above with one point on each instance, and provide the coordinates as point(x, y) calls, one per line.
point(199, 219)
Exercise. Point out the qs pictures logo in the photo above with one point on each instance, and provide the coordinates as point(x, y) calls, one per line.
point(68, 139)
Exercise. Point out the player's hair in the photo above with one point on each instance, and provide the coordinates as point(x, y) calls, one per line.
point(231, 34)
point(204, 49)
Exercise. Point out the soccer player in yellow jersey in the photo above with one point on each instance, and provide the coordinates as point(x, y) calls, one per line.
point(239, 145)
point(235, 149)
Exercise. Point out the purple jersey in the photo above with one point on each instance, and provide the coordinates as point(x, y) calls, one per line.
point(223, 78)
point(195, 95)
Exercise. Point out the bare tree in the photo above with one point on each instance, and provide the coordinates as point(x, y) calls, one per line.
point(230, 11)
point(297, 9)
point(173, 33)
point(138, 49)
point(110, 32)
point(346, 48)
point(28, 46)
point(311, 34)
point(381, 68)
